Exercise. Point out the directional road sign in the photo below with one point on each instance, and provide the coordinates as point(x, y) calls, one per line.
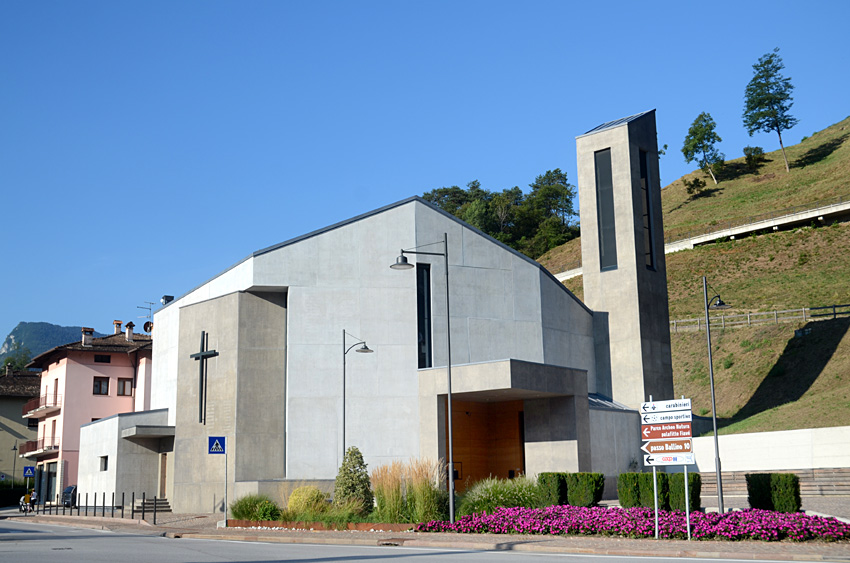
point(667, 446)
point(664, 406)
point(29, 471)
point(665, 459)
point(672, 416)
point(665, 431)
point(216, 445)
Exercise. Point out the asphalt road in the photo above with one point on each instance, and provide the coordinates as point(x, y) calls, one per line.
point(24, 541)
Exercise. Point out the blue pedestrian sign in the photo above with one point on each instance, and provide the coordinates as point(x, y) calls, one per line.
point(29, 471)
point(216, 445)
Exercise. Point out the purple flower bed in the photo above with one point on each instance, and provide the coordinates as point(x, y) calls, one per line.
point(750, 524)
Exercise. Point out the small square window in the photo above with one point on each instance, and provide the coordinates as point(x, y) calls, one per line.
point(125, 387)
point(102, 358)
point(32, 423)
point(101, 386)
point(104, 462)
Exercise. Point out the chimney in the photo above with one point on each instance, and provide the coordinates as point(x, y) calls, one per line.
point(129, 327)
point(117, 325)
point(88, 334)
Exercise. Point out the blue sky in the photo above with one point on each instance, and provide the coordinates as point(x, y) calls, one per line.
point(147, 146)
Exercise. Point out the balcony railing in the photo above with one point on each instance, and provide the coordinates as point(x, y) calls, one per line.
point(35, 447)
point(42, 406)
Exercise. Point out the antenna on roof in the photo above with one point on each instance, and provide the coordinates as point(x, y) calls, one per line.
point(148, 306)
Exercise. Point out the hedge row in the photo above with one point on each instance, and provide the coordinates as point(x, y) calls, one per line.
point(636, 489)
point(774, 491)
point(575, 489)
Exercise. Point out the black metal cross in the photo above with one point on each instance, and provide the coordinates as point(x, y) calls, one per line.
point(202, 358)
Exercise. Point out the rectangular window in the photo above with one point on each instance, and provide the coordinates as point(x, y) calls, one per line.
point(648, 246)
point(125, 387)
point(32, 423)
point(101, 386)
point(423, 314)
point(102, 358)
point(104, 462)
point(605, 210)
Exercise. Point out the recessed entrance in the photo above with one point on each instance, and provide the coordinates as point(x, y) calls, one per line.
point(488, 441)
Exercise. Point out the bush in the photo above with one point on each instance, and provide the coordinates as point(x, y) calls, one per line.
point(628, 490)
point(490, 493)
point(677, 491)
point(388, 482)
point(255, 507)
point(585, 489)
point(647, 493)
point(352, 482)
point(774, 491)
point(427, 499)
point(307, 499)
point(753, 156)
point(553, 488)
point(694, 187)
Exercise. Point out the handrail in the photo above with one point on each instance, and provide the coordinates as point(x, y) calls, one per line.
point(747, 319)
point(38, 445)
point(45, 401)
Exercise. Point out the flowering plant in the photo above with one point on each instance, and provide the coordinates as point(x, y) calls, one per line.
point(638, 522)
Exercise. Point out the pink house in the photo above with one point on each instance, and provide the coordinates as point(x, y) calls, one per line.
point(82, 382)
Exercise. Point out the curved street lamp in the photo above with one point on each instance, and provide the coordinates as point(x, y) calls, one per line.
point(711, 304)
point(345, 350)
point(401, 263)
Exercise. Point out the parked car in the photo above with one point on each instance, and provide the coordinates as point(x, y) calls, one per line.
point(69, 496)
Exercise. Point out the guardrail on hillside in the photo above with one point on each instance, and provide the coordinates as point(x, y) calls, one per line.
point(670, 238)
point(748, 319)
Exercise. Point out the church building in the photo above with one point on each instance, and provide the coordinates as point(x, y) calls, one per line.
point(540, 381)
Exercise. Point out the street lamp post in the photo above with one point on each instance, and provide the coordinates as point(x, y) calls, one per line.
point(401, 263)
point(709, 304)
point(345, 350)
point(14, 463)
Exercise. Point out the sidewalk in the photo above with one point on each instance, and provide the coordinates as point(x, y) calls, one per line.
point(203, 526)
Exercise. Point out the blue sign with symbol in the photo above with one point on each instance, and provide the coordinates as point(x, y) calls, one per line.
point(216, 445)
point(29, 471)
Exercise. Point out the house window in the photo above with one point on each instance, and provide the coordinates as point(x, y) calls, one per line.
point(104, 462)
point(32, 423)
point(102, 358)
point(648, 246)
point(125, 387)
point(101, 386)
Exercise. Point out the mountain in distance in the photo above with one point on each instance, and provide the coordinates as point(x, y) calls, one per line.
point(39, 337)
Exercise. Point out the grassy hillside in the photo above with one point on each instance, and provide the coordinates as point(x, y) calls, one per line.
point(766, 379)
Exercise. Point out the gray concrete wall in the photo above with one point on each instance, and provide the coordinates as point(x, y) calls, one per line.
point(615, 439)
point(630, 301)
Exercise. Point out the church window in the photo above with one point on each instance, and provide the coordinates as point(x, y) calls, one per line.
point(104, 462)
point(605, 210)
point(125, 387)
point(645, 188)
point(101, 386)
point(423, 314)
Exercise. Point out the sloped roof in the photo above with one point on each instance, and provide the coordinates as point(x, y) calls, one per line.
point(617, 122)
point(112, 344)
point(20, 384)
point(378, 211)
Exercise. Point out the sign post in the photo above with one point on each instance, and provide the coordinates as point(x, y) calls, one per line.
point(666, 429)
point(218, 445)
point(29, 471)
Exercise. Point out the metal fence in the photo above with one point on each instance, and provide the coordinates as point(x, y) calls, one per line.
point(804, 314)
point(98, 506)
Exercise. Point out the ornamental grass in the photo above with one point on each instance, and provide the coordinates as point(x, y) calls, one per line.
point(638, 522)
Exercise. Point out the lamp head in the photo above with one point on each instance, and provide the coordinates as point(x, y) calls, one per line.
point(401, 263)
point(720, 304)
point(364, 349)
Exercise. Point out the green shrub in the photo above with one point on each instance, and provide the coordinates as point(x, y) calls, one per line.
point(753, 156)
point(774, 491)
point(647, 494)
point(628, 490)
point(488, 494)
point(254, 507)
point(677, 491)
point(553, 488)
point(307, 499)
point(427, 499)
point(352, 482)
point(585, 489)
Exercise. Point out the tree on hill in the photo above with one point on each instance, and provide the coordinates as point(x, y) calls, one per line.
point(699, 144)
point(767, 100)
point(17, 358)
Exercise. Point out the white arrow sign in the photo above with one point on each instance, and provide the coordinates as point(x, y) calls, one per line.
point(672, 416)
point(668, 459)
point(664, 406)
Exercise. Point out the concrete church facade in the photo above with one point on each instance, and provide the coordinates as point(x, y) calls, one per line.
point(254, 354)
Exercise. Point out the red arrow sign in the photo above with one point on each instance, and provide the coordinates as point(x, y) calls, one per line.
point(665, 431)
point(667, 446)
